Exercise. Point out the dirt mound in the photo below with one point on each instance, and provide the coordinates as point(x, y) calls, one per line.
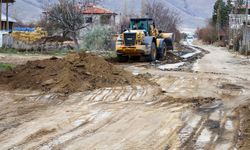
point(244, 134)
point(75, 72)
point(194, 101)
point(228, 86)
point(172, 58)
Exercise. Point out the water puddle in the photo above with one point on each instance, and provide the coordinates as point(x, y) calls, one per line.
point(203, 139)
point(211, 107)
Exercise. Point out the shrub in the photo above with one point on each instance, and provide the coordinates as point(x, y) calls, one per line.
point(207, 34)
point(98, 38)
point(4, 67)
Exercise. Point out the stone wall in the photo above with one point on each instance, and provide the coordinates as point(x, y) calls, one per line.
point(10, 42)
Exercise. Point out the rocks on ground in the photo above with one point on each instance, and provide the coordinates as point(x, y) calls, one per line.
point(244, 134)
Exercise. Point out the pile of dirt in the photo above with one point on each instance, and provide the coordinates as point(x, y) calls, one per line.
point(231, 87)
point(194, 101)
point(75, 72)
point(172, 58)
point(228, 86)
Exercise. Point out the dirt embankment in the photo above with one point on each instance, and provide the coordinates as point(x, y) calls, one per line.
point(171, 59)
point(244, 133)
point(194, 101)
point(76, 72)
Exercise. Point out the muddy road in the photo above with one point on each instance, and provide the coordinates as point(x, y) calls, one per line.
point(202, 107)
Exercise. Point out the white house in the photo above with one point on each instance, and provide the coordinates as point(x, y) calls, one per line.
point(99, 15)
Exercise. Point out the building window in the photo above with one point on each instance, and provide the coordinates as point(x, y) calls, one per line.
point(89, 20)
point(105, 19)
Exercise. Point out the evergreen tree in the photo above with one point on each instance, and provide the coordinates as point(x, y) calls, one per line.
point(229, 6)
point(240, 2)
point(221, 13)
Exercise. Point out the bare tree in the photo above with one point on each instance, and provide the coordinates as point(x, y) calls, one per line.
point(67, 16)
point(123, 24)
point(165, 18)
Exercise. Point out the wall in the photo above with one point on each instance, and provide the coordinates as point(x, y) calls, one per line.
point(1, 37)
point(245, 47)
point(10, 42)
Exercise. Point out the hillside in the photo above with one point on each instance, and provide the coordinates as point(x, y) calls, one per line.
point(193, 13)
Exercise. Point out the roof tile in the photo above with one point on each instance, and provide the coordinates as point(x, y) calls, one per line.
point(92, 9)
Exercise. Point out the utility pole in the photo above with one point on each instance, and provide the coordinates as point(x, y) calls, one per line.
point(125, 13)
point(7, 16)
point(1, 1)
point(246, 30)
point(218, 21)
point(234, 29)
point(143, 8)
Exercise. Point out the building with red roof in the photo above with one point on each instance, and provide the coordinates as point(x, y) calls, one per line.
point(99, 15)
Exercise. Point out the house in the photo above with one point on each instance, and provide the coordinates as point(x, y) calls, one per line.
point(99, 15)
point(7, 26)
point(239, 29)
point(7, 23)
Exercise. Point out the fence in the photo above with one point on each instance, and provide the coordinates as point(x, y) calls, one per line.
point(239, 32)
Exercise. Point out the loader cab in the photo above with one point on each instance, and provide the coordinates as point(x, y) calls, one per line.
point(141, 24)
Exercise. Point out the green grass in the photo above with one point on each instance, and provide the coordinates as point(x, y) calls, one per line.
point(8, 51)
point(5, 67)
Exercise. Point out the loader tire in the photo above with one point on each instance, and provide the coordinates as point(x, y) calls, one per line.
point(122, 58)
point(163, 54)
point(135, 58)
point(153, 53)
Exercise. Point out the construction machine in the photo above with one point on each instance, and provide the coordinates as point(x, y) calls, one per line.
point(143, 39)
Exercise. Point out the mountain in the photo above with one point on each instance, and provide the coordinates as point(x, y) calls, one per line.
point(194, 13)
point(26, 10)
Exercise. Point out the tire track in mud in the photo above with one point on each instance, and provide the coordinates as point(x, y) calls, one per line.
point(59, 141)
point(17, 111)
point(102, 95)
point(190, 139)
point(73, 133)
point(84, 129)
point(112, 120)
point(118, 94)
point(207, 127)
point(195, 139)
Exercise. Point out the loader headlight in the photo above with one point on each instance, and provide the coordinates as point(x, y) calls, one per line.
point(140, 37)
point(118, 43)
point(119, 38)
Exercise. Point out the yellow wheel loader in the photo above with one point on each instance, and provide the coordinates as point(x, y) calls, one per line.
point(143, 39)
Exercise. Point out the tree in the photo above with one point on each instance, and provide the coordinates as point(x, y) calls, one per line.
point(229, 6)
point(207, 34)
point(222, 11)
point(240, 2)
point(165, 19)
point(98, 38)
point(67, 17)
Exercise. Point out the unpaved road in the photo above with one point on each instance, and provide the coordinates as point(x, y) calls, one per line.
point(18, 59)
point(137, 117)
